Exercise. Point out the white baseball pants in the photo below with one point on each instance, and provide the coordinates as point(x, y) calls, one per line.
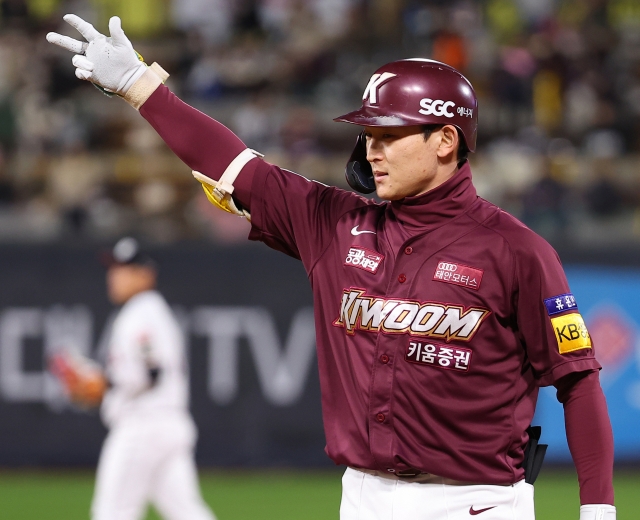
point(369, 497)
point(149, 461)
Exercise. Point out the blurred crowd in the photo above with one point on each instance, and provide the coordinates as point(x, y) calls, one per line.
point(558, 83)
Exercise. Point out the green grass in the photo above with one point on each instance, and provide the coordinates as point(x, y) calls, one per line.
point(239, 495)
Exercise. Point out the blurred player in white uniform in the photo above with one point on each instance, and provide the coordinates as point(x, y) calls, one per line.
point(148, 455)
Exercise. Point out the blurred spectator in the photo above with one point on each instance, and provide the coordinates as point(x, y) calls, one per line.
point(603, 196)
point(73, 181)
point(450, 48)
point(254, 123)
point(211, 19)
point(298, 133)
point(7, 189)
point(144, 18)
point(203, 79)
point(546, 206)
point(581, 106)
point(547, 99)
point(505, 21)
point(333, 16)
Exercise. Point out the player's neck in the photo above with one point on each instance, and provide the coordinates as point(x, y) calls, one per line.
point(138, 291)
point(444, 172)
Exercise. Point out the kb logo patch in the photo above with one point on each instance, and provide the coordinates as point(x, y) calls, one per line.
point(571, 333)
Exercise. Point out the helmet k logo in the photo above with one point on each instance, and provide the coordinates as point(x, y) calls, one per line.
point(374, 84)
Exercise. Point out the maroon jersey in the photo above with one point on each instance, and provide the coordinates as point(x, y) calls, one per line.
point(437, 317)
point(432, 319)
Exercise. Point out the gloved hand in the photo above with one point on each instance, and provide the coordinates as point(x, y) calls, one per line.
point(109, 62)
point(82, 379)
point(597, 512)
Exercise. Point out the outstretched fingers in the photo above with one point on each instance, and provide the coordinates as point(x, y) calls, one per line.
point(85, 28)
point(67, 43)
point(115, 29)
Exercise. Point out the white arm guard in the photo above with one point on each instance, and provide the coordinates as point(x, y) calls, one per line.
point(145, 85)
point(219, 192)
point(597, 512)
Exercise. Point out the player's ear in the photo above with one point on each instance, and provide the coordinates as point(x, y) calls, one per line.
point(449, 140)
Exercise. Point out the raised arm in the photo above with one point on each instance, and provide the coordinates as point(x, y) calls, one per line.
point(286, 208)
point(205, 145)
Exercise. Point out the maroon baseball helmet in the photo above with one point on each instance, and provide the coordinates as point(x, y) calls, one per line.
point(407, 93)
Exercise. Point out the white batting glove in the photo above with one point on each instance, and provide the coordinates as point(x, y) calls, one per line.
point(597, 512)
point(109, 62)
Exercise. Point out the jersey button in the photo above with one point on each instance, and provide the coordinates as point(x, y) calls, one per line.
point(384, 359)
point(380, 417)
point(408, 250)
point(402, 278)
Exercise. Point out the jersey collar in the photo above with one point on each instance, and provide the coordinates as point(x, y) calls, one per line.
point(439, 205)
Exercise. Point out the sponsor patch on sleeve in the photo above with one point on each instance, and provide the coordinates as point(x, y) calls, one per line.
point(571, 333)
point(561, 303)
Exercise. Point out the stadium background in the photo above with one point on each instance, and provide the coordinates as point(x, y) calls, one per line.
point(558, 83)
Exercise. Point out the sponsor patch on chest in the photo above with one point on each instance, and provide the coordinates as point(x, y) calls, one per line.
point(458, 274)
point(364, 259)
point(571, 333)
point(442, 356)
point(561, 303)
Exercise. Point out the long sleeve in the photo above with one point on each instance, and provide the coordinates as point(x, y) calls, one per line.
point(589, 435)
point(286, 208)
point(200, 141)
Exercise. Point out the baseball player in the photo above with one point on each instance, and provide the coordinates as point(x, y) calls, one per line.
point(438, 315)
point(148, 453)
